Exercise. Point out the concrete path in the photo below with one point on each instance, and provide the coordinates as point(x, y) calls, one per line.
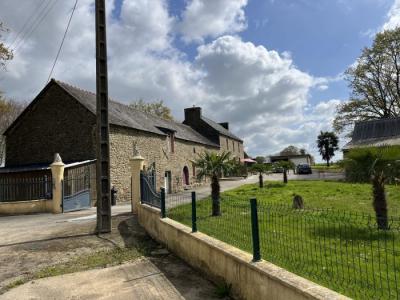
point(28, 228)
point(137, 280)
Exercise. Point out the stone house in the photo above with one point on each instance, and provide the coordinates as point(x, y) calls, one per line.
point(61, 119)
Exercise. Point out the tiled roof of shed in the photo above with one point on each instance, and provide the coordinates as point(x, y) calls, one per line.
point(375, 133)
point(376, 129)
point(123, 115)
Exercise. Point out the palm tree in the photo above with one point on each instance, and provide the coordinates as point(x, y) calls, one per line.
point(213, 165)
point(261, 169)
point(285, 165)
point(327, 144)
point(378, 166)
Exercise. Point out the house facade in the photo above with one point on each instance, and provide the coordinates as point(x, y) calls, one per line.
point(61, 119)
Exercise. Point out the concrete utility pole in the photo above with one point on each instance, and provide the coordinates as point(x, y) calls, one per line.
point(102, 147)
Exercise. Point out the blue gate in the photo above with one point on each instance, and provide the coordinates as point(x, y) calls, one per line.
point(76, 191)
point(148, 189)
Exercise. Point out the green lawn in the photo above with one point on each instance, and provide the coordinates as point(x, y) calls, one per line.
point(332, 242)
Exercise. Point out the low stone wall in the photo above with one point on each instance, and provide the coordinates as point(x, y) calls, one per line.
point(26, 207)
point(224, 263)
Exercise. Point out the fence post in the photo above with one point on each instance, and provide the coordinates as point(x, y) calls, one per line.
point(194, 215)
point(57, 170)
point(163, 213)
point(254, 230)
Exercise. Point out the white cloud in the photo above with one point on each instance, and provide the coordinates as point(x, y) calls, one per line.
point(204, 18)
point(393, 16)
point(259, 91)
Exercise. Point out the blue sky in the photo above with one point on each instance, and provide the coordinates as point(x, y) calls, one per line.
point(272, 68)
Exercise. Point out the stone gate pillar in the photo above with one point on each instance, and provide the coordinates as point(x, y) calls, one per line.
point(57, 171)
point(136, 166)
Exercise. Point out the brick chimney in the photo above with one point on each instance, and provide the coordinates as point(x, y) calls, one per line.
point(225, 125)
point(192, 114)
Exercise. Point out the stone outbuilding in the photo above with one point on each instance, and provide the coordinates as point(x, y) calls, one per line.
point(61, 119)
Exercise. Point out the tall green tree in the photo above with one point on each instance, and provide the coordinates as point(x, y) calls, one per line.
point(5, 52)
point(375, 83)
point(156, 108)
point(327, 143)
point(260, 159)
point(213, 165)
point(378, 166)
point(290, 150)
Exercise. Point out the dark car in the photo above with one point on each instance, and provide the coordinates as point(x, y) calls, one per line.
point(277, 169)
point(303, 169)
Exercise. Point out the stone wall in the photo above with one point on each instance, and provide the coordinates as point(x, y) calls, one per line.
point(56, 123)
point(230, 145)
point(156, 151)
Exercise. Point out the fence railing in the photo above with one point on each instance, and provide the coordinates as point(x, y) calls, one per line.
point(340, 250)
point(25, 189)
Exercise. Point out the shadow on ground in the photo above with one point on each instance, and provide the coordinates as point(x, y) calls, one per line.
point(190, 283)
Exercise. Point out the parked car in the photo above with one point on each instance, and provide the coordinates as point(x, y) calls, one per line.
point(277, 169)
point(303, 169)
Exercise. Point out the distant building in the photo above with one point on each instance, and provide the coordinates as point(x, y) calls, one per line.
point(375, 133)
point(296, 159)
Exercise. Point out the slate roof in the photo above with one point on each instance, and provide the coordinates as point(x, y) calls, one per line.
point(122, 115)
point(222, 130)
point(375, 133)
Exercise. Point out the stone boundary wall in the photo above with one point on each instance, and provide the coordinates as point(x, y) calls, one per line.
point(224, 263)
point(26, 207)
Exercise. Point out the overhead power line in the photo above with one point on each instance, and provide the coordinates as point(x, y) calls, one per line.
point(43, 14)
point(63, 39)
point(28, 21)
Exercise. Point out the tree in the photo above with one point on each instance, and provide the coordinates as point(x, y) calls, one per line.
point(290, 150)
point(157, 109)
point(211, 164)
point(327, 143)
point(375, 83)
point(5, 53)
point(260, 159)
point(378, 166)
point(260, 168)
point(285, 165)
point(9, 111)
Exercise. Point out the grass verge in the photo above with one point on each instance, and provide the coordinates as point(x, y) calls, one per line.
point(333, 241)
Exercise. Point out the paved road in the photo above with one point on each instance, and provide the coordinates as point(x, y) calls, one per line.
point(314, 176)
point(27, 228)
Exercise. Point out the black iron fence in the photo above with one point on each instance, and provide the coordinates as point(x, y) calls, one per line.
point(340, 250)
point(25, 189)
point(148, 193)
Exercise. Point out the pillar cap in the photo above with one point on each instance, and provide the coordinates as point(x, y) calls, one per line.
point(137, 157)
point(57, 160)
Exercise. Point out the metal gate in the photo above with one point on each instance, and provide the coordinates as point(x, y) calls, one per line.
point(76, 190)
point(148, 189)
